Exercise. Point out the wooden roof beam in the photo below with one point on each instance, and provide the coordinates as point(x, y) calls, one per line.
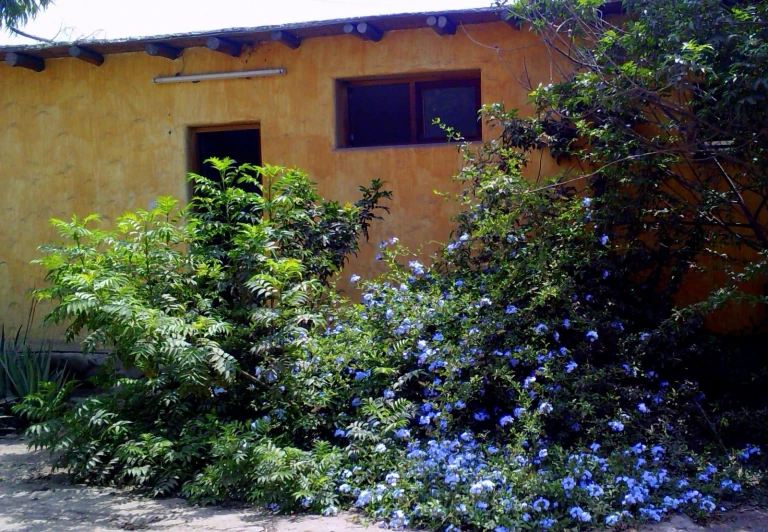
point(83, 54)
point(364, 30)
point(163, 50)
point(224, 46)
point(507, 17)
point(288, 39)
point(31, 62)
point(442, 25)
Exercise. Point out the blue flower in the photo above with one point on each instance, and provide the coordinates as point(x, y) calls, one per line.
point(611, 520)
point(481, 415)
point(604, 240)
point(392, 478)
point(568, 483)
point(592, 335)
point(545, 408)
point(586, 202)
point(330, 511)
point(570, 366)
point(547, 522)
point(541, 328)
point(484, 302)
point(219, 391)
point(354, 278)
point(364, 498)
point(642, 408)
point(416, 267)
point(579, 514)
point(403, 434)
point(362, 375)
point(506, 420)
point(389, 394)
point(541, 504)
point(617, 426)
point(511, 309)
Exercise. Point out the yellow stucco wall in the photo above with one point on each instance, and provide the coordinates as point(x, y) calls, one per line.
point(81, 139)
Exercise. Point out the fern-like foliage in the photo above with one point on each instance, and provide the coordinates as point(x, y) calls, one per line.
point(213, 304)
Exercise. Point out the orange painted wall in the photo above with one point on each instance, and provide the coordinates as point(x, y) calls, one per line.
point(81, 139)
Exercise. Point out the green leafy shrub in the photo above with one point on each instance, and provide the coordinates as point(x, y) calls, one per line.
point(208, 302)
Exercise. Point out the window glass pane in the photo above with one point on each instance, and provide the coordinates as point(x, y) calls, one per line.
point(379, 115)
point(455, 106)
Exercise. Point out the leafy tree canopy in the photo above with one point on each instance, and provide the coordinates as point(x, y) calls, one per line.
point(18, 12)
point(660, 113)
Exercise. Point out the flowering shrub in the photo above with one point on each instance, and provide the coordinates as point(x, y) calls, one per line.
point(516, 383)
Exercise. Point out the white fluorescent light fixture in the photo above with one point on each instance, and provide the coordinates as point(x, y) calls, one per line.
point(194, 78)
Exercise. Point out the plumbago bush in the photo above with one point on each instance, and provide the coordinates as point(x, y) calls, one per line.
point(520, 383)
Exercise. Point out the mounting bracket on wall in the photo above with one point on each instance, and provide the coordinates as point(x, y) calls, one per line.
point(194, 78)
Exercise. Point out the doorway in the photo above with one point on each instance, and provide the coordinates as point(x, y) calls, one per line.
point(239, 142)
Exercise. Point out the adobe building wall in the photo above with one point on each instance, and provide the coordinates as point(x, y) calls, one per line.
point(81, 139)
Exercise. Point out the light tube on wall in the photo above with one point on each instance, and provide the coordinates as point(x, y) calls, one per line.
point(193, 78)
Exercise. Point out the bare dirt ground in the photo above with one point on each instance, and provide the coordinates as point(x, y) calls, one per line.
point(34, 500)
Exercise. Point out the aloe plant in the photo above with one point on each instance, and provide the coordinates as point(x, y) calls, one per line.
point(23, 368)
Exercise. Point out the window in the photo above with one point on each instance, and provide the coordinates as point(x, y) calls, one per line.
point(239, 142)
point(396, 111)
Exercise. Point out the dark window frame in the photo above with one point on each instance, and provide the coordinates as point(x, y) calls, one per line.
point(416, 83)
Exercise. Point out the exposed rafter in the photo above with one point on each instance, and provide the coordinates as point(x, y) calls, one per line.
point(510, 19)
point(30, 62)
point(442, 25)
point(288, 39)
point(217, 44)
point(83, 54)
point(364, 30)
point(163, 50)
